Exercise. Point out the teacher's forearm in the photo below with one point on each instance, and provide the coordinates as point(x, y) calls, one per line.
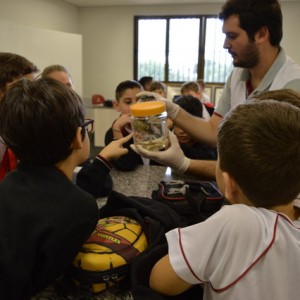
point(204, 169)
point(200, 129)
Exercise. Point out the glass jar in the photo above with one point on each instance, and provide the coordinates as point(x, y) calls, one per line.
point(149, 124)
point(146, 98)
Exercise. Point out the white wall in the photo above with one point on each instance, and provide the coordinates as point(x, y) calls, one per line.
point(47, 14)
point(108, 40)
point(41, 47)
point(291, 25)
point(46, 41)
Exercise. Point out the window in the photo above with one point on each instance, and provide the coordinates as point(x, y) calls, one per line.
point(179, 49)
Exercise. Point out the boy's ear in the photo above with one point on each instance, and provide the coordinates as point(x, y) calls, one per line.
point(78, 140)
point(116, 105)
point(230, 187)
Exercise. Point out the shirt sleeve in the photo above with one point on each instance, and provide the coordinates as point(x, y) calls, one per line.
point(218, 250)
point(224, 104)
point(293, 85)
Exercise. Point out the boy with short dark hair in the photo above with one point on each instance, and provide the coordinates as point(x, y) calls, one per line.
point(146, 81)
point(44, 217)
point(248, 250)
point(125, 94)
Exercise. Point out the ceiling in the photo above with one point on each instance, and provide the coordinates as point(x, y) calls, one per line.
point(86, 3)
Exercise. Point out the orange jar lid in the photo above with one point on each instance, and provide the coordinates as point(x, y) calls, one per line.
point(150, 108)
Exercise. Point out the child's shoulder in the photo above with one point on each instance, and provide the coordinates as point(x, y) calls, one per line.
point(247, 209)
point(238, 222)
point(247, 217)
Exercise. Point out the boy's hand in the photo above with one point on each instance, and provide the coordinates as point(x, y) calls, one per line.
point(172, 108)
point(115, 148)
point(121, 122)
point(172, 157)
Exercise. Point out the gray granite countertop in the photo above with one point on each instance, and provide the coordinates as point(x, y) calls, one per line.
point(140, 182)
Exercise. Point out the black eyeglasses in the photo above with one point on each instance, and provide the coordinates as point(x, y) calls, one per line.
point(88, 125)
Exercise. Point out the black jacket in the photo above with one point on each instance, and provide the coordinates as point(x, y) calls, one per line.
point(94, 177)
point(44, 220)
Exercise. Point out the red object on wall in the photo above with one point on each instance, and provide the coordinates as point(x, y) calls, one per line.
point(98, 99)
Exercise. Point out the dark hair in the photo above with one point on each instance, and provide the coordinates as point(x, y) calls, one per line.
point(54, 68)
point(259, 146)
point(191, 104)
point(124, 85)
point(145, 80)
point(13, 66)
point(39, 120)
point(255, 14)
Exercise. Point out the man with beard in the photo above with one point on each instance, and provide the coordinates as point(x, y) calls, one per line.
point(253, 31)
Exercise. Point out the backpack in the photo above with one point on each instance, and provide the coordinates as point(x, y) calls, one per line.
point(153, 220)
point(194, 201)
point(107, 254)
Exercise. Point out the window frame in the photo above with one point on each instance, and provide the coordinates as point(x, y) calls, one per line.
point(201, 49)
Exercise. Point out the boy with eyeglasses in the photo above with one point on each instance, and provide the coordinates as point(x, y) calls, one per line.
point(44, 217)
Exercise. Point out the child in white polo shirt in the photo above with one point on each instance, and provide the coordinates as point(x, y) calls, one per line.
point(248, 250)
